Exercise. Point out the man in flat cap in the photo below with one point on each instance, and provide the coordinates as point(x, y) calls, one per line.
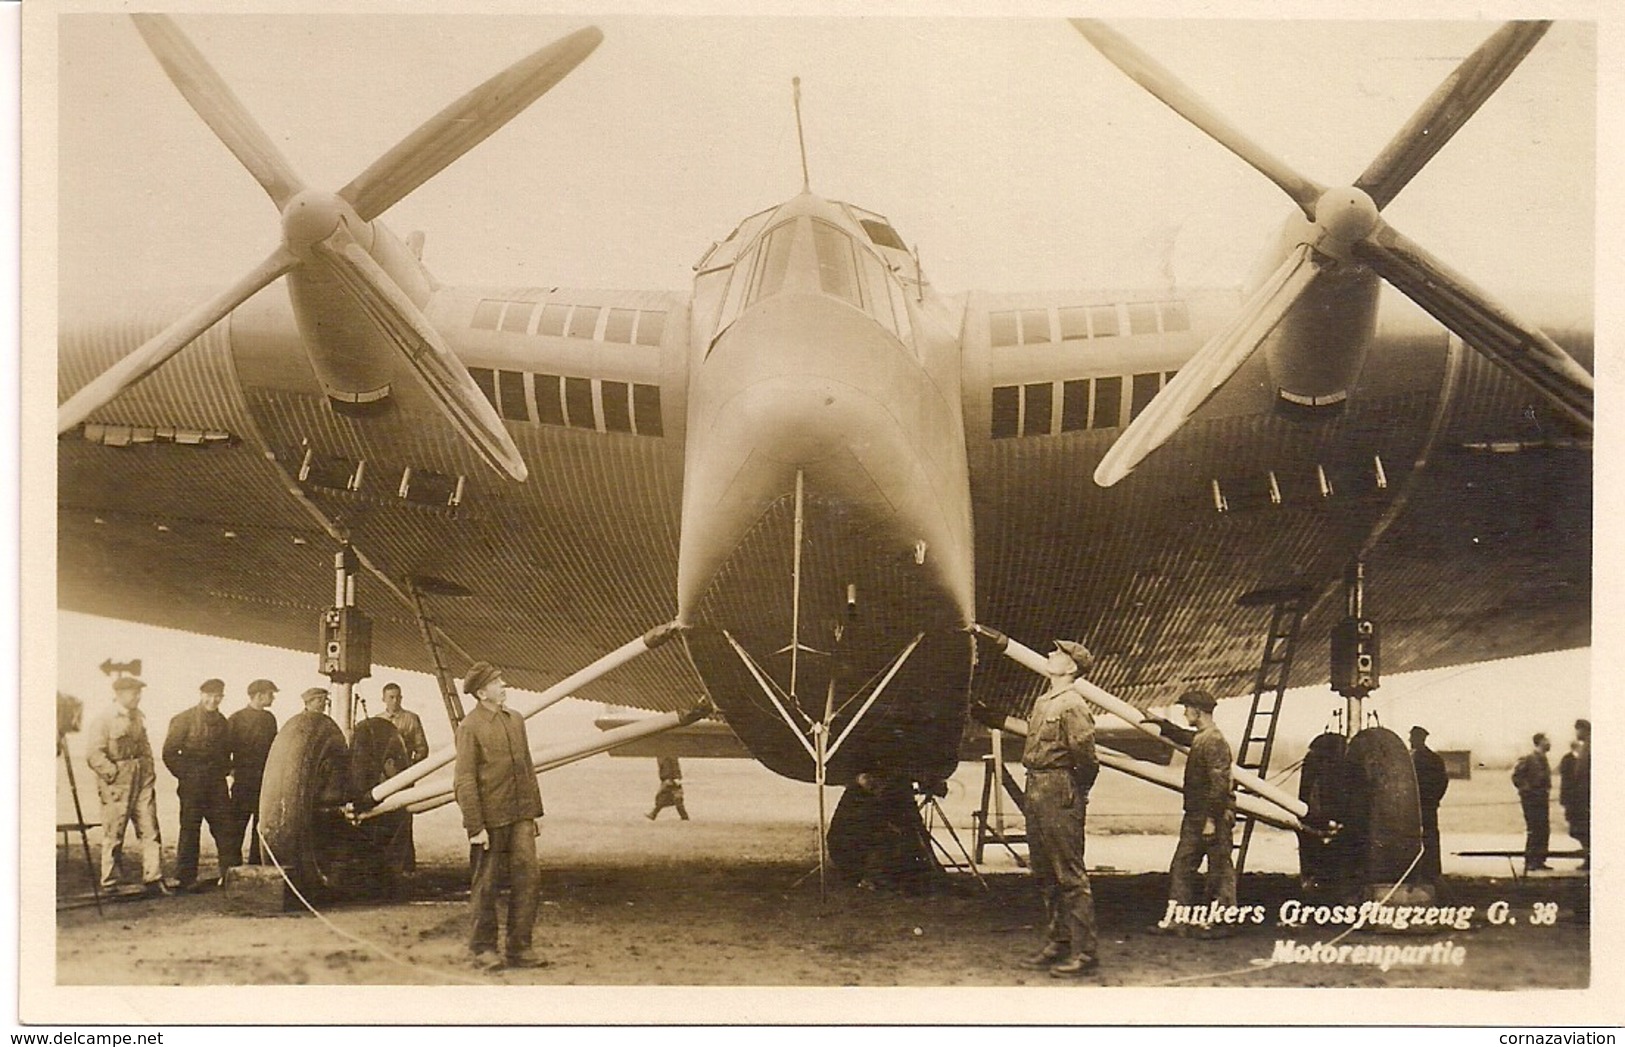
point(1208, 826)
point(195, 751)
point(495, 786)
point(1431, 783)
point(1061, 767)
point(249, 734)
point(120, 754)
point(410, 727)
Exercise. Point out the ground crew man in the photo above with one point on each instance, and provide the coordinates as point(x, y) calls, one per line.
point(1532, 777)
point(1431, 782)
point(410, 727)
point(495, 785)
point(1210, 808)
point(1575, 794)
point(315, 700)
point(1061, 767)
point(249, 734)
point(196, 754)
point(670, 793)
point(120, 754)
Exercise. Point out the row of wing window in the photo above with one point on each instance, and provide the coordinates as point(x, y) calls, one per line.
point(597, 323)
point(1048, 408)
point(1045, 326)
point(575, 403)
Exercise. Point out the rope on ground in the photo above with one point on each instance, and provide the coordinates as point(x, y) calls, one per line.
point(1256, 966)
point(364, 943)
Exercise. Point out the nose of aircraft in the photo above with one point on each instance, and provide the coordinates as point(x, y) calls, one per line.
point(807, 384)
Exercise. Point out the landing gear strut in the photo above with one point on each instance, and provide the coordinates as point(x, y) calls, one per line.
point(1361, 778)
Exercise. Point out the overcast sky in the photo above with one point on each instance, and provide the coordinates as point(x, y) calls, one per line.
point(1014, 155)
point(1009, 151)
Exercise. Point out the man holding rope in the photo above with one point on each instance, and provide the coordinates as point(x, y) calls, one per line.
point(495, 786)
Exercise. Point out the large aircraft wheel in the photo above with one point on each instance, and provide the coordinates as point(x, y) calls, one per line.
point(377, 752)
point(307, 781)
point(1368, 786)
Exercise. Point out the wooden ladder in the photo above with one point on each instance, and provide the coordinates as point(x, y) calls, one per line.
point(1269, 687)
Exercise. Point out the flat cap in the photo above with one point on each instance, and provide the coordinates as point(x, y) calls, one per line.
point(1582, 725)
point(212, 686)
point(1197, 698)
point(1419, 729)
point(261, 686)
point(128, 683)
point(479, 674)
point(1077, 651)
point(312, 693)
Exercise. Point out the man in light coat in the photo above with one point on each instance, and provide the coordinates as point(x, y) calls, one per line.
point(120, 754)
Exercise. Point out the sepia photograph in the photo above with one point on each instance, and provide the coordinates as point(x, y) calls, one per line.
point(616, 512)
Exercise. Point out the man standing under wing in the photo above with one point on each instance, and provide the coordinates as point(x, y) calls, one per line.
point(1208, 826)
point(249, 734)
point(1061, 766)
point(495, 786)
point(410, 727)
point(118, 750)
point(195, 751)
point(1532, 777)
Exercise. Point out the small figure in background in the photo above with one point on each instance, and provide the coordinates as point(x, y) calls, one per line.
point(1574, 788)
point(1432, 780)
point(1532, 777)
point(670, 793)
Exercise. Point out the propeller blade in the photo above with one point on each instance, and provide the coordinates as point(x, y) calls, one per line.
point(1481, 321)
point(465, 123)
point(1151, 75)
point(1450, 106)
point(208, 94)
point(1211, 367)
point(442, 374)
point(151, 354)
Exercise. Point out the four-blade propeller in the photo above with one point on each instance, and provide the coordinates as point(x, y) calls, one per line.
point(1345, 227)
point(327, 232)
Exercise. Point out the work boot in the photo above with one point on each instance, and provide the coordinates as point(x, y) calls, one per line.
point(1073, 966)
point(486, 959)
point(527, 959)
point(1051, 953)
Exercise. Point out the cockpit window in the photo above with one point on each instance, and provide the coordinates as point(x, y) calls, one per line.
point(837, 267)
point(882, 234)
point(775, 255)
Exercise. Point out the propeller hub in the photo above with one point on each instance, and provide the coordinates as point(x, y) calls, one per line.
point(1345, 214)
point(310, 218)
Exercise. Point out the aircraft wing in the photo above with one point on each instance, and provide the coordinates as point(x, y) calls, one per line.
point(210, 497)
point(1474, 527)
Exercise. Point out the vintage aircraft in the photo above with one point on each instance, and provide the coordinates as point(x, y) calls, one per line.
point(812, 488)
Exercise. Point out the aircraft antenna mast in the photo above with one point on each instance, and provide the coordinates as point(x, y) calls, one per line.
point(801, 138)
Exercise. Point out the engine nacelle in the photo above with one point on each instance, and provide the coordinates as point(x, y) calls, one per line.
point(354, 362)
point(1316, 354)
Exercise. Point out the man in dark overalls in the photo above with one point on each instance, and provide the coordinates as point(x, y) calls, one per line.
point(196, 752)
point(1061, 766)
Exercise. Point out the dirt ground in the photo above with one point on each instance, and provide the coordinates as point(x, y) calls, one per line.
point(727, 900)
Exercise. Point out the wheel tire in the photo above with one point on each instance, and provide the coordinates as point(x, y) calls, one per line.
point(307, 778)
point(378, 752)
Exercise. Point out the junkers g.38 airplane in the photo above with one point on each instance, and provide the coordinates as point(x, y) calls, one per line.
point(818, 492)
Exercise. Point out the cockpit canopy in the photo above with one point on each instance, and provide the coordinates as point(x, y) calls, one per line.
point(856, 255)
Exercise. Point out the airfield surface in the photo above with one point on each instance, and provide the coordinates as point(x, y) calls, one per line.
point(727, 900)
